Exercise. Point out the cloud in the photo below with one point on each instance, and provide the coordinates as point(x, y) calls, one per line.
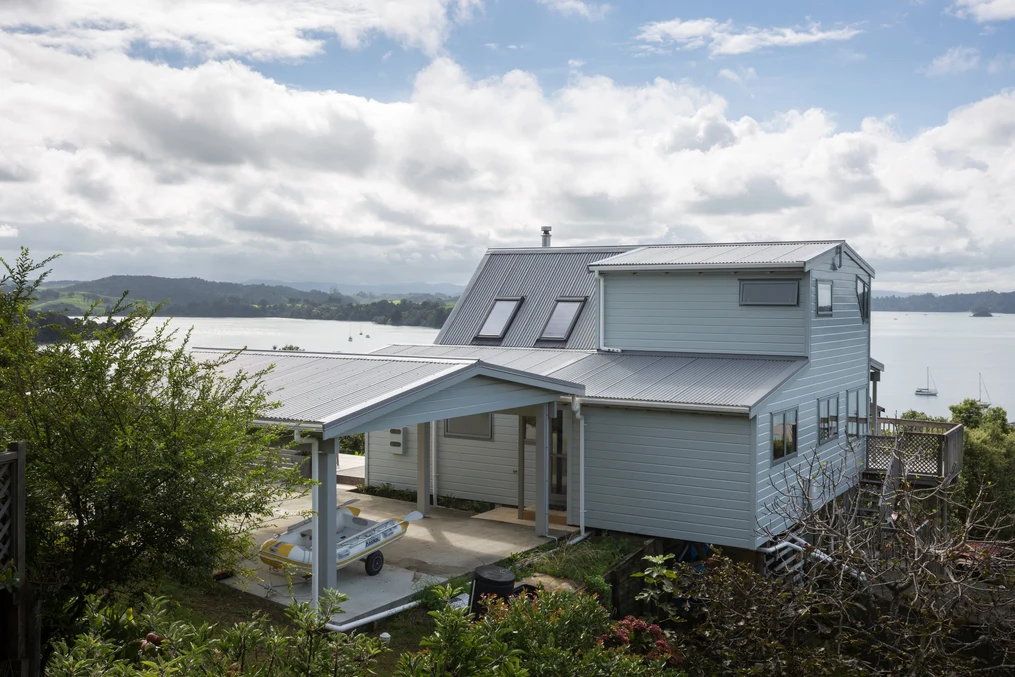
point(588, 10)
point(955, 60)
point(1001, 63)
point(130, 166)
point(575, 63)
point(726, 39)
point(985, 10)
point(8, 231)
point(260, 30)
point(739, 76)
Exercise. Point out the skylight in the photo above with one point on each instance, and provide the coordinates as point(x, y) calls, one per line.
point(499, 319)
point(562, 319)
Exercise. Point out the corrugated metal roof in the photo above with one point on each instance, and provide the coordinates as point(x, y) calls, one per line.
point(313, 387)
point(541, 275)
point(694, 380)
point(535, 360)
point(680, 379)
point(720, 255)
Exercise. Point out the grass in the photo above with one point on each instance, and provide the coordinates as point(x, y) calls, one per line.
point(584, 563)
point(213, 602)
point(388, 491)
point(407, 629)
point(75, 303)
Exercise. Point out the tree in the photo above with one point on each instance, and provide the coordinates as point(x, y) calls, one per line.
point(142, 460)
point(899, 579)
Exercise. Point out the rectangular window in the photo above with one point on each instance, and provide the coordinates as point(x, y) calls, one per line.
point(784, 434)
point(828, 419)
point(824, 297)
point(863, 297)
point(769, 292)
point(475, 427)
point(857, 412)
point(530, 429)
point(562, 319)
point(499, 318)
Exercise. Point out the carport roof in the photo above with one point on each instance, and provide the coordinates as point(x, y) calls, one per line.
point(730, 383)
point(331, 389)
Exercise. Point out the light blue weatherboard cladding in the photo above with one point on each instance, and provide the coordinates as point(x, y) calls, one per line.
point(669, 474)
point(839, 362)
point(480, 470)
point(698, 312)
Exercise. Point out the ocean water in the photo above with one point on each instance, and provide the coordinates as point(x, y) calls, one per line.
point(954, 346)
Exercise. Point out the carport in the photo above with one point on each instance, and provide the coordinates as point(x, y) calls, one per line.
point(324, 396)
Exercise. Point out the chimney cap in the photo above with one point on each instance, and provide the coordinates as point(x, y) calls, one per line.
point(546, 229)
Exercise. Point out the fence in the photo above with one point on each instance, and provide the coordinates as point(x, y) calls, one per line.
point(20, 651)
point(927, 448)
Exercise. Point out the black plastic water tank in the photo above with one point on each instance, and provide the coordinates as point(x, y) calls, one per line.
point(490, 580)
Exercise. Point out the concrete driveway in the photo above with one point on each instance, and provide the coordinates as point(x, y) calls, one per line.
point(445, 544)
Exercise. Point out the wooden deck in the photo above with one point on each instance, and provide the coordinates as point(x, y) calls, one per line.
point(929, 450)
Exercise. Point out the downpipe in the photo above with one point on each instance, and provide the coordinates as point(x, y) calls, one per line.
point(576, 409)
point(360, 622)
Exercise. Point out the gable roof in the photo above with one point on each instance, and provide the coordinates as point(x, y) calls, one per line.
point(541, 275)
point(734, 256)
point(330, 390)
point(692, 382)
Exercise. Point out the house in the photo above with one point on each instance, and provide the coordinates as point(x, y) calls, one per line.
point(708, 369)
point(664, 390)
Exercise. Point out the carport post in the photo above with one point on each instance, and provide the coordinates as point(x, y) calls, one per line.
point(546, 413)
point(324, 524)
point(423, 468)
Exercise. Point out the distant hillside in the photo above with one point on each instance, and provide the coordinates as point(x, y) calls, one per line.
point(194, 297)
point(995, 302)
point(410, 290)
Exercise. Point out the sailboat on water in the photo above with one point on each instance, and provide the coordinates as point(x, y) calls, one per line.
point(350, 331)
point(983, 389)
point(929, 391)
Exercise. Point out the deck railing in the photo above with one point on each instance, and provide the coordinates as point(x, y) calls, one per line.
point(926, 448)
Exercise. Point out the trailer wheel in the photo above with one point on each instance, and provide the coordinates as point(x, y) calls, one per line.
point(374, 563)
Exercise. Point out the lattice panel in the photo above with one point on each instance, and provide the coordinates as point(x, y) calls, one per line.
point(879, 453)
point(920, 453)
point(6, 511)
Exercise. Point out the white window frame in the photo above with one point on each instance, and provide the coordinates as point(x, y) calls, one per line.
point(796, 297)
point(468, 436)
point(817, 298)
point(824, 436)
point(796, 435)
point(518, 300)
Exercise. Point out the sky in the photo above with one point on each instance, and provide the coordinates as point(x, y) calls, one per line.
point(389, 141)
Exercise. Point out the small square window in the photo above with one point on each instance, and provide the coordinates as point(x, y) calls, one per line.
point(863, 298)
point(824, 297)
point(828, 419)
point(562, 319)
point(499, 318)
point(769, 292)
point(475, 427)
point(784, 427)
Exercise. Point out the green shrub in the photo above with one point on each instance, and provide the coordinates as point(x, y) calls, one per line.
point(129, 643)
point(551, 634)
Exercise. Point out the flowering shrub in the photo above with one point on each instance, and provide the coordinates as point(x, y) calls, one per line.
point(642, 639)
point(549, 634)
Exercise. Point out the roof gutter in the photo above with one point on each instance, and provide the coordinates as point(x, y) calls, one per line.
point(648, 268)
point(668, 406)
point(295, 426)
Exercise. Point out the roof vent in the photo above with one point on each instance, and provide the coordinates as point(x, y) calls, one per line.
point(546, 235)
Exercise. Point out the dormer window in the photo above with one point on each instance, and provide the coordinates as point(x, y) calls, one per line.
point(500, 317)
point(562, 319)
